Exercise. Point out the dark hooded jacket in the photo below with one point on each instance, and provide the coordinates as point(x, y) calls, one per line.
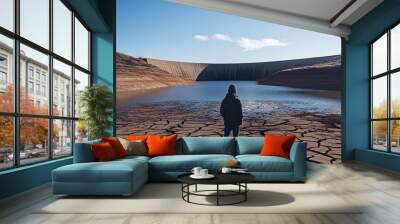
point(231, 110)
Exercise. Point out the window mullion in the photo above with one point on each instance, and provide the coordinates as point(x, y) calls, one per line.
point(371, 141)
point(389, 106)
point(73, 82)
point(50, 81)
point(16, 70)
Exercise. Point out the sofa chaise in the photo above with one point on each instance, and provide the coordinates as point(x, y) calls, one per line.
point(125, 176)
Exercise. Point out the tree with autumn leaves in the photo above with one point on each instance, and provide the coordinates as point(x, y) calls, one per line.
point(380, 127)
point(33, 131)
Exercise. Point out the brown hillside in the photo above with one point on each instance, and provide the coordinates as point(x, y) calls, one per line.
point(322, 76)
point(136, 74)
point(234, 71)
point(187, 70)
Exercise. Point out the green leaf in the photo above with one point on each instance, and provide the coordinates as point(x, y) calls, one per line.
point(96, 102)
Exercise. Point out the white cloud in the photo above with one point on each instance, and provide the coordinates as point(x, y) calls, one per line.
point(250, 44)
point(223, 37)
point(245, 43)
point(201, 37)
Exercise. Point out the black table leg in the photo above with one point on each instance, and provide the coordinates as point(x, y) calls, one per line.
point(245, 193)
point(220, 193)
point(188, 190)
point(217, 194)
point(182, 189)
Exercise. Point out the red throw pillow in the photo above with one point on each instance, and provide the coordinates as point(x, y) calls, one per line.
point(116, 145)
point(103, 152)
point(161, 145)
point(277, 145)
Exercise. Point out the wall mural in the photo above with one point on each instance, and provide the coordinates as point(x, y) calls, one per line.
point(300, 97)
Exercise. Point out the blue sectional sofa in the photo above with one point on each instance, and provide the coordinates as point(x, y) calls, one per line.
point(125, 176)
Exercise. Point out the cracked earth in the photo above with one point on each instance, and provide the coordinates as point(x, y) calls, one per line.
point(321, 131)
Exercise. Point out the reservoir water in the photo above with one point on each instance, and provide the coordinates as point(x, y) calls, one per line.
point(303, 99)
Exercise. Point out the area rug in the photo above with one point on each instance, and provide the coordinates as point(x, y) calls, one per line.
point(166, 198)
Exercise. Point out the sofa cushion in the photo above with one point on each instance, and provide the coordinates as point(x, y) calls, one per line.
point(83, 152)
point(249, 145)
point(132, 158)
point(112, 171)
point(277, 145)
point(134, 147)
point(116, 145)
point(208, 145)
point(185, 163)
point(257, 163)
point(161, 145)
point(103, 152)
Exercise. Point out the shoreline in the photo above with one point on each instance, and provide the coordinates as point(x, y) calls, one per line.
point(128, 95)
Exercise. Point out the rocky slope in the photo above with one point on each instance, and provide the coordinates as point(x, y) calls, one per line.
point(186, 70)
point(238, 71)
point(254, 71)
point(322, 76)
point(140, 74)
point(136, 74)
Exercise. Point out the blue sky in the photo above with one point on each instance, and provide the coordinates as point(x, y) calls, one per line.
point(169, 31)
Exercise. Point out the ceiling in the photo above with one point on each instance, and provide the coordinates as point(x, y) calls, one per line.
point(333, 17)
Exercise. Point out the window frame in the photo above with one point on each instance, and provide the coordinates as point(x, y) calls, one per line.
point(3, 70)
point(388, 74)
point(16, 114)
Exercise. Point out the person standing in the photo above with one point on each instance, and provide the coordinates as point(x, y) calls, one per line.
point(231, 111)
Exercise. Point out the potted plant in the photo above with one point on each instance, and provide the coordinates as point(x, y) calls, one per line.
point(96, 103)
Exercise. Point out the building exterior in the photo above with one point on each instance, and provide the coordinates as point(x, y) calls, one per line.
point(34, 80)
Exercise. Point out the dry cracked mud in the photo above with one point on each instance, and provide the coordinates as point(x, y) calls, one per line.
point(321, 131)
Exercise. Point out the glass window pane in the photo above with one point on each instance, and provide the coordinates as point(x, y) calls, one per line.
point(62, 29)
point(81, 45)
point(395, 94)
point(35, 21)
point(379, 135)
point(34, 72)
point(6, 74)
point(81, 131)
point(6, 142)
point(62, 138)
point(395, 136)
point(62, 89)
point(379, 97)
point(33, 140)
point(379, 55)
point(7, 14)
point(81, 82)
point(395, 47)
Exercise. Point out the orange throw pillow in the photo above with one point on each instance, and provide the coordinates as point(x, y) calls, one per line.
point(135, 137)
point(277, 145)
point(161, 145)
point(116, 145)
point(103, 152)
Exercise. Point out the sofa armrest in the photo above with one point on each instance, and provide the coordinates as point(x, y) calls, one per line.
point(298, 155)
point(83, 152)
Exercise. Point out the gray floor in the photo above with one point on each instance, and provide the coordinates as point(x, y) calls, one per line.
point(379, 189)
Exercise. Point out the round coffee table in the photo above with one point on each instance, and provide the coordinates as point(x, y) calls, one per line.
point(238, 179)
